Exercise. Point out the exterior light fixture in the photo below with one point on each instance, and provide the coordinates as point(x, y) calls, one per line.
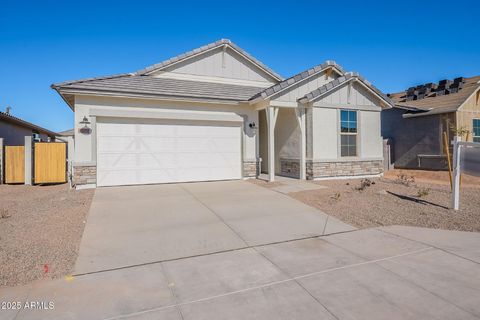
point(252, 125)
point(85, 129)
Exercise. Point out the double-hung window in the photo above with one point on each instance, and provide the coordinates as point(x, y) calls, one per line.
point(348, 133)
point(476, 130)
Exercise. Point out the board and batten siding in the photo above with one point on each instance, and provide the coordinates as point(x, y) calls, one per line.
point(359, 96)
point(469, 111)
point(215, 63)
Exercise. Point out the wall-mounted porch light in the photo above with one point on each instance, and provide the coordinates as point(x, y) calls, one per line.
point(85, 129)
point(252, 125)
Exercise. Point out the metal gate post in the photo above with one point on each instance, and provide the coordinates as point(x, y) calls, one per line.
point(456, 173)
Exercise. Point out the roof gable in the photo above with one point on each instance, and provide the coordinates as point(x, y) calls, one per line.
point(221, 59)
point(361, 92)
point(295, 80)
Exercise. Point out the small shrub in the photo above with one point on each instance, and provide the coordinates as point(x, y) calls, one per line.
point(336, 196)
point(4, 213)
point(364, 183)
point(404, 179)
point(423, 192)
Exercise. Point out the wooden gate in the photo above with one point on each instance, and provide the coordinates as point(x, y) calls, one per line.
point(14, 164)
point(50, 160)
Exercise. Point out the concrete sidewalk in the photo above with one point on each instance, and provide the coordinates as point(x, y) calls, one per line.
point(130, 226)
point(383, 273)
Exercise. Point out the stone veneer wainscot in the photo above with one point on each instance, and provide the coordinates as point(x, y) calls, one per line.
point(84, 174)
point(320, 169)
point(250, 168)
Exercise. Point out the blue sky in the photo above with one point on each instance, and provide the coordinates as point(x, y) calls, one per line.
point(393, 44)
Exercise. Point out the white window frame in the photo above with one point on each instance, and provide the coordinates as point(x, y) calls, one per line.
point(356, 134)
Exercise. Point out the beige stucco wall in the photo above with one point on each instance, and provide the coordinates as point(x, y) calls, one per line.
point(324, 133)
point(287, 137)
point(85, 149)
point(371, 143)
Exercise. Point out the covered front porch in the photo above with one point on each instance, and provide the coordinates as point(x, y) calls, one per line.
point(282, 141)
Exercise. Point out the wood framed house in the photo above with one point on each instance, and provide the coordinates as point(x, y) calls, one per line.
point(422, 115)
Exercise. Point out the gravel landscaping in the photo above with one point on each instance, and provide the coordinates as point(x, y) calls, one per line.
point(40, 231)
point(397, 200)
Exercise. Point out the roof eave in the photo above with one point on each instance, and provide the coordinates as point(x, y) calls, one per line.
point(59, 91)
point(431, 112)
point(124, 94)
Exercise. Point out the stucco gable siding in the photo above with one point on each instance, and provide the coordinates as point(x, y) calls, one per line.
point(359, 96)
point(216, 63)
point(297, 91)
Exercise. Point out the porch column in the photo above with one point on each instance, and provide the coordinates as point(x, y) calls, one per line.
point(300, 113)
point(272, 113)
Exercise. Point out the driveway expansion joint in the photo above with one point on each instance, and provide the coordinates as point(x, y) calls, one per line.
point(207, 254)
point(431, 245)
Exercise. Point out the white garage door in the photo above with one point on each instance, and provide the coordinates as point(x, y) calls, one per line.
point(142, 152)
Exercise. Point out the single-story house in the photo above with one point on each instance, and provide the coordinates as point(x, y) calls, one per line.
point(422, 114)
point(64, 135)
point(13, 130)
point(218, 113)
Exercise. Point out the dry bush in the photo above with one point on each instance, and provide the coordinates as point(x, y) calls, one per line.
point(364, 183)
point(336, 196)
point(4, 213)
point(423, 192)
point(405, 179)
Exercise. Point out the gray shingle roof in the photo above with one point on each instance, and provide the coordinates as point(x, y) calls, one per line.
point(12, 119)
point(209, 46)
point(296, 78)
point(66, 133)
point(339, 81)
point(152, 86)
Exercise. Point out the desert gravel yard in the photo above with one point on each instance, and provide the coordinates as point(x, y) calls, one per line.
point(40, 231)
point(397, 200)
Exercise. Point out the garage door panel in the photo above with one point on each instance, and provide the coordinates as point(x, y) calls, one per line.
point(122, 144)
point(123, 161)
point(139, 153)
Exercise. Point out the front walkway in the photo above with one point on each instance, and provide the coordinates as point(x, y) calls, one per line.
point(382, 273)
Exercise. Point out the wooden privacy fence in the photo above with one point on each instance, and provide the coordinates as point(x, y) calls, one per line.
point(50, 162)
point(14, 164)
point(46, 163)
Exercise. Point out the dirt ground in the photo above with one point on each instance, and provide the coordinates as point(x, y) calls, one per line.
point(40, 231)
point(394, 201)
point(435, 177)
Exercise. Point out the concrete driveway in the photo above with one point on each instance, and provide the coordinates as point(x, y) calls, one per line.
point(220, 265)
point(130, 226)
